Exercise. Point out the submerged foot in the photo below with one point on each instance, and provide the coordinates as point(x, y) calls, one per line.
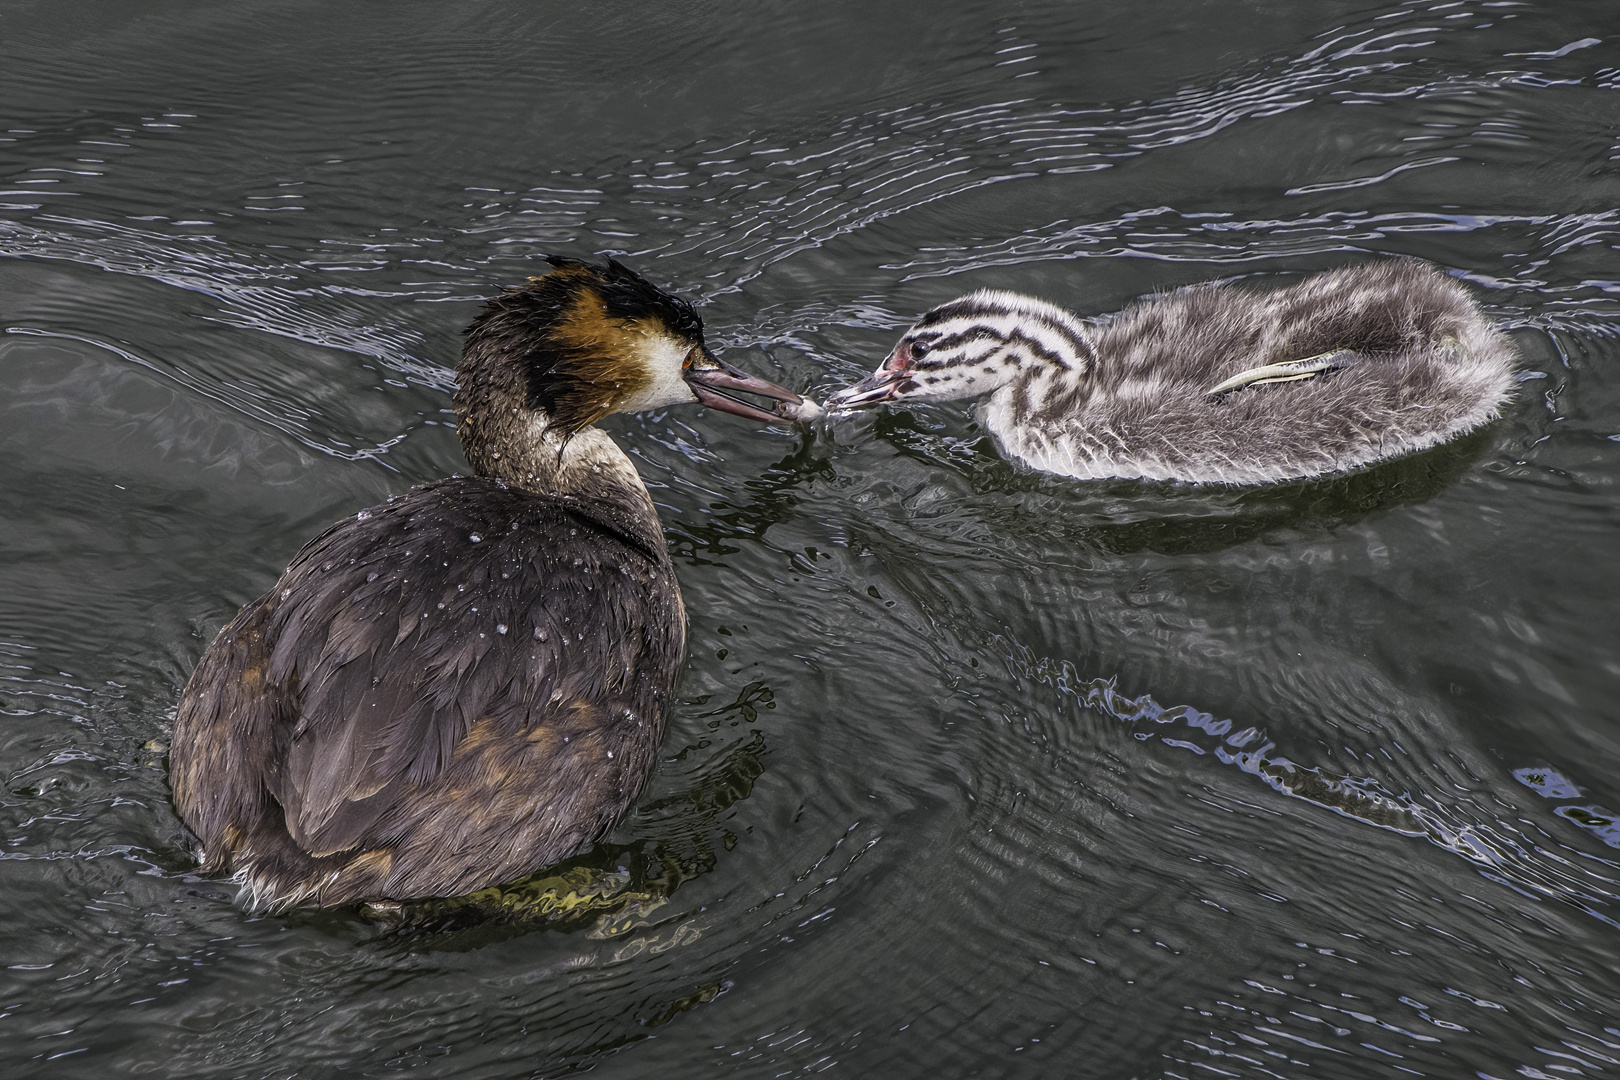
point(564, 897)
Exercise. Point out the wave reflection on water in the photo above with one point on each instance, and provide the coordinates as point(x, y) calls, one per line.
point(1502, 850)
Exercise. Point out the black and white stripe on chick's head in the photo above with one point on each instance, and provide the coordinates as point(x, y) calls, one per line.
point(972, 346)
point(993, 325)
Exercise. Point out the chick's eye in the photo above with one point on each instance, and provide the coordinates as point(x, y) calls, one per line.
point(688, 361)
point(919, 348)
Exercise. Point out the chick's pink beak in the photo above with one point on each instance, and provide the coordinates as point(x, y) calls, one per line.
point(891, 379)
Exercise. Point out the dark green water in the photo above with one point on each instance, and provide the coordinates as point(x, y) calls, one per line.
point(973, 772)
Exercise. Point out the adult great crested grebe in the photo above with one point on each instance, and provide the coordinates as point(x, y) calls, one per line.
point(1214, 384)
point(468, 682)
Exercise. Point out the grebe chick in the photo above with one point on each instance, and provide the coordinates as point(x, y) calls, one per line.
point(467, 683)
point(1214, 384)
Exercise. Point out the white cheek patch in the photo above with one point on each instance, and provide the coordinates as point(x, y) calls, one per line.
point(660, 357)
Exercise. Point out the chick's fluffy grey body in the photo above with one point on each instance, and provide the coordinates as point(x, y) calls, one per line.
point(1427, 367)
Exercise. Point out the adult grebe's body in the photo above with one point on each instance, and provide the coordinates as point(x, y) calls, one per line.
point(469, 682)
point(1214, 383)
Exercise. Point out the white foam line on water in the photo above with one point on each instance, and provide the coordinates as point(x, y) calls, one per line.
point(242, 404)
point(781, 207)
point(203, 265)
point(1368, 181)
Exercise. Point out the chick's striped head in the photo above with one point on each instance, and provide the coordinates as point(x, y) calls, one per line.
point(973, 346)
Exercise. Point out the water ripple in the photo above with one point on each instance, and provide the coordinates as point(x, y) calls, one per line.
point(1519, 855)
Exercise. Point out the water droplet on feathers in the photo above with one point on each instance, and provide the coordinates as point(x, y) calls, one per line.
point(500, 628)
point(371, 577)
point(475, 538)
point(364, 515)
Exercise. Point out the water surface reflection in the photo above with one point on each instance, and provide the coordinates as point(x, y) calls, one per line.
point(973, 772)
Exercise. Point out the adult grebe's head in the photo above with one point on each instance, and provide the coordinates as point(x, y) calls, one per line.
point(973, 346)
point(585, 341)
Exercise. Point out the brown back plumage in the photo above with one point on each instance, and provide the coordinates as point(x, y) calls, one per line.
point(460, 686)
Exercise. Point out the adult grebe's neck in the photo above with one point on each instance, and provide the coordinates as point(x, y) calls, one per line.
point(547, 463)
point(521, 447)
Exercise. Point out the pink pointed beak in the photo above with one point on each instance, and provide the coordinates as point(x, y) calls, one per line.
point(710, 378)
point(891, 379)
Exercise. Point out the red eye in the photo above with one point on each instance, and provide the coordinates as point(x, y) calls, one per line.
point(690, 356)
